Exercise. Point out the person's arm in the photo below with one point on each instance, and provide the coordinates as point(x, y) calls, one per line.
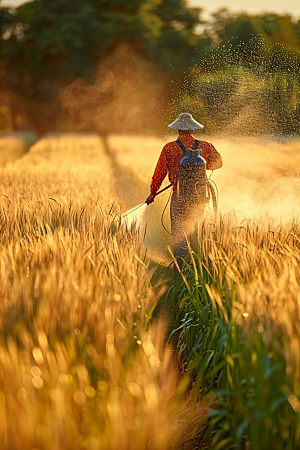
point(159, 175)
point(212, 157)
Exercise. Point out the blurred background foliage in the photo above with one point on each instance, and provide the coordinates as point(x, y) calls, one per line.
point(68, 39)
point(46, 46)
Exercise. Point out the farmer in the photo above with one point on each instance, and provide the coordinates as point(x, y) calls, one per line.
point(168, 163)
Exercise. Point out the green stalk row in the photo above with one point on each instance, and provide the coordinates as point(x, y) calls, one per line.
point(233, 339)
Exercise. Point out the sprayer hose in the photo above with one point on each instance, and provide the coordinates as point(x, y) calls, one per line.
point(163, 213)
point(213, 196)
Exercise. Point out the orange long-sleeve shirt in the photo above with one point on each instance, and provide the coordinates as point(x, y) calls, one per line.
point(171, 155)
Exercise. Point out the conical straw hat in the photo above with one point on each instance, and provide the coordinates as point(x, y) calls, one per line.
point(185, 121)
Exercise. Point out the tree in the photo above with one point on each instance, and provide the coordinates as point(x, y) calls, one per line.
point(174, 42)
point(63, 39)
point(274, 29)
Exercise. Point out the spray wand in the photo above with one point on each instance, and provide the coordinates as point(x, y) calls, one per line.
point(144, 203)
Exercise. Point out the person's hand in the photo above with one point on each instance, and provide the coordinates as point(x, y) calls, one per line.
point(150, 199)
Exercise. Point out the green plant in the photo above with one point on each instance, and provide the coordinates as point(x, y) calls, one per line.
point(236, 353)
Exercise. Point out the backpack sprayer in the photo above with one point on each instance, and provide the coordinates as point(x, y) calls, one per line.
point(193, 184)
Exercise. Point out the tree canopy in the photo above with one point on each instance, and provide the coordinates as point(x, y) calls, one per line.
point(273, 28)
point(65, 39)
point(68, 37)
point(49, 45)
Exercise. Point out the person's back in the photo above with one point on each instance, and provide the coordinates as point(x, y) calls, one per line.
point(171, 155)
point(169, 163)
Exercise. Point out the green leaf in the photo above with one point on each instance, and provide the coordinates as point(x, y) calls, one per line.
point(280, 401)
point(241, 429)
point(215, 370)
point(223, 444)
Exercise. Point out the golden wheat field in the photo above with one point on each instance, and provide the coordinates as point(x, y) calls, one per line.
point(81, 367)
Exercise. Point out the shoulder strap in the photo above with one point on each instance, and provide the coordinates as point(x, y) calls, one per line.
point(181, 145)
point(196, 144)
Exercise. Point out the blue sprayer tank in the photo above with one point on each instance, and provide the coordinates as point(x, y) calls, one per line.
point(192, 179)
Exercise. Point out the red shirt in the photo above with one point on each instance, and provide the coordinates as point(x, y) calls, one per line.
point(171, 155)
